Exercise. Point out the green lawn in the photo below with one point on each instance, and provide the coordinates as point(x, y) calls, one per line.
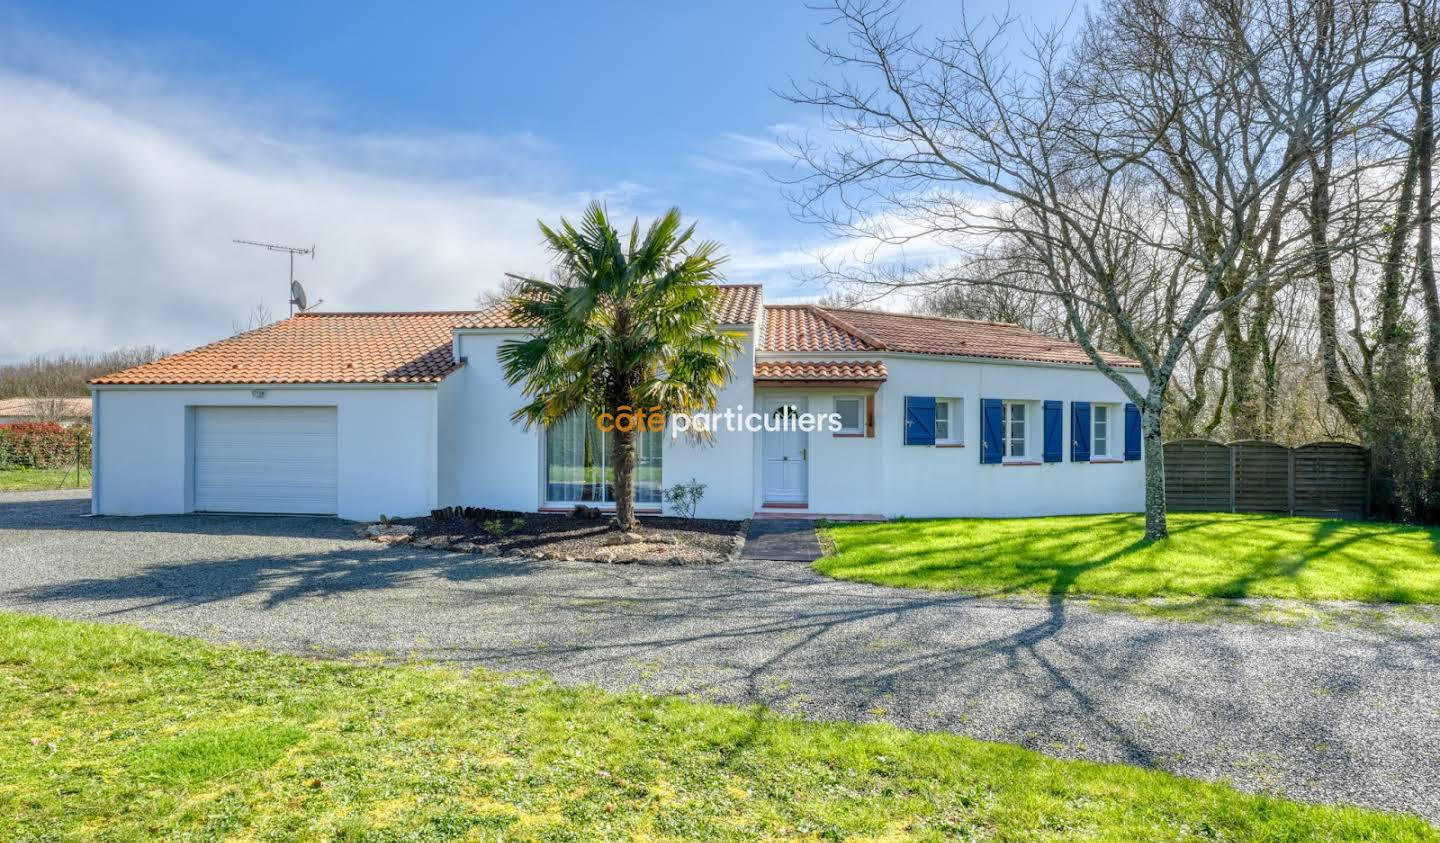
point(32, 479)
point(114, 733)
point(1206, 555)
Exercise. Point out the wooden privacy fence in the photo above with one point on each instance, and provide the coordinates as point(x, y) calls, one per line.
point(1322, 479)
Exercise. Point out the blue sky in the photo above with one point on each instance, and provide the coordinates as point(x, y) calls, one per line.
point(414, 144)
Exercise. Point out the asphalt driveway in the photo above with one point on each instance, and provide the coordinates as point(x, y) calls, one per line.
point(1348, 715)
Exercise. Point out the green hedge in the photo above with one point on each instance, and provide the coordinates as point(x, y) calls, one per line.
point(43, 445)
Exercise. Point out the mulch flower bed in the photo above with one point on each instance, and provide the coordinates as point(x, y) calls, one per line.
point(490, 532)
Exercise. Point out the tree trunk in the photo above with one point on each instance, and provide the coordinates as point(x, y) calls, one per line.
point(1156, 526)
point(622, 456)
point(1390, 400)
point(1424, 255)
point(1337, 390)
point(1244, 412)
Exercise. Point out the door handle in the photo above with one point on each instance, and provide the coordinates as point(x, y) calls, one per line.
point(805, 453)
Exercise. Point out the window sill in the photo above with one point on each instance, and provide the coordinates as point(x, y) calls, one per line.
point(1021, 462)
point(848, 435)
point(1105, 460)
point(949, 445)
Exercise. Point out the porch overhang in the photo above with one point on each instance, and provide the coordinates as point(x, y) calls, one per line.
point(840, 374)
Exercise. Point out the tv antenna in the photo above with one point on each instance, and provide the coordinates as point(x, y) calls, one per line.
point(298, 298)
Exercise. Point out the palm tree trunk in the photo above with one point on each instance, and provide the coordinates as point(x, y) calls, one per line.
point(622, 456)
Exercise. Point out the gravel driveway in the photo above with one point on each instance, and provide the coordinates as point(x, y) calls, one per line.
point(1341, 716)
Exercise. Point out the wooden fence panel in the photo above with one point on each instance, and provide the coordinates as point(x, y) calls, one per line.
point(1323, 479)
point(1332, 480)
point(1262, 477)
point(1197, 476)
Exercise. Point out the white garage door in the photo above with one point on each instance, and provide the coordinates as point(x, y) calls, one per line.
point(265, 459)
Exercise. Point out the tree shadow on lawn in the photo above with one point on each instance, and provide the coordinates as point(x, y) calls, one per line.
point(1329, 541)
point(1246, 553)
point(786, 617)
point(751, 624)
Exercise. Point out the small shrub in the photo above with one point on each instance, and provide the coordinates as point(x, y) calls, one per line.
point(684, 498)
point(495, 527)
point(517, 523)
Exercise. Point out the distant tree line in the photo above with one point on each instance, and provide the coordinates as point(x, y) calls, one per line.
point(67, 375)
point(1239, 193)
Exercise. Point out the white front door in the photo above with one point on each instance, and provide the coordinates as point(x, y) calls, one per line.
point(786, 454)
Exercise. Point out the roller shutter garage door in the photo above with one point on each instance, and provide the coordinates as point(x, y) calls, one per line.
point(265, 459)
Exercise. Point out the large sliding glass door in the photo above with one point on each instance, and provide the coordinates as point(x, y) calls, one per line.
point(578, 467)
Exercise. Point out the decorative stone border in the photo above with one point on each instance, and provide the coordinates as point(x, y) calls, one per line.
point(623, 552)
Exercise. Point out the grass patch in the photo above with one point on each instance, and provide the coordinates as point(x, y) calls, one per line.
point(1207, 555)
point(211, 753)
point(40, 479)
point(114, 733)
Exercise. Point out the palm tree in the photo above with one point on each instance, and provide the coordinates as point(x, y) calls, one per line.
point(625, 323)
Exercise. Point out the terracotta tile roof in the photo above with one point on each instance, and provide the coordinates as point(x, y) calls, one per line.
point(810, 328)
point(316, 348)
point(70, 408)
point(820, 370)
point(805, 327)
point(738, 304)
point(494, 316)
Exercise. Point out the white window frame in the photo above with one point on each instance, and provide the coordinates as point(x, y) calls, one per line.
point(859, 429)
point(1027, 434)
point(954, 421)
point(1095, 451)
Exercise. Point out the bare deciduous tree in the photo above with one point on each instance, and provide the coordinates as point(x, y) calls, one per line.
point(1140, 171)
point(258, 317)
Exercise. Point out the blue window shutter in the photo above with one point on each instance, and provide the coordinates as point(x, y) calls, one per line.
point(1054, 431)
point(919, 420)
point(1079, 431)
point(992, 419)
point(1132, 432)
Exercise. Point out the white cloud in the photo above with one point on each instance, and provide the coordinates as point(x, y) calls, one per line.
point(119, 211)
point(121, 192)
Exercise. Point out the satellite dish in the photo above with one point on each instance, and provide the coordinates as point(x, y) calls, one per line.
point(297, 296)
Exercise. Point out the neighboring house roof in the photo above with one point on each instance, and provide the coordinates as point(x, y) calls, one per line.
point(737, 304)
point(69, 408)
point(316, 348)
point(819, 370)
point(806, 328)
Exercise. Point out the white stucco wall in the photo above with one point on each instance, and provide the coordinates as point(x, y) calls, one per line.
point(406, 450)
point(386, 441)
point(883, 476)
point(491, 461)
point(496, 462)
point(721, 462)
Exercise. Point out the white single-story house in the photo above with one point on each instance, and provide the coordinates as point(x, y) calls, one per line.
point(363, 414)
